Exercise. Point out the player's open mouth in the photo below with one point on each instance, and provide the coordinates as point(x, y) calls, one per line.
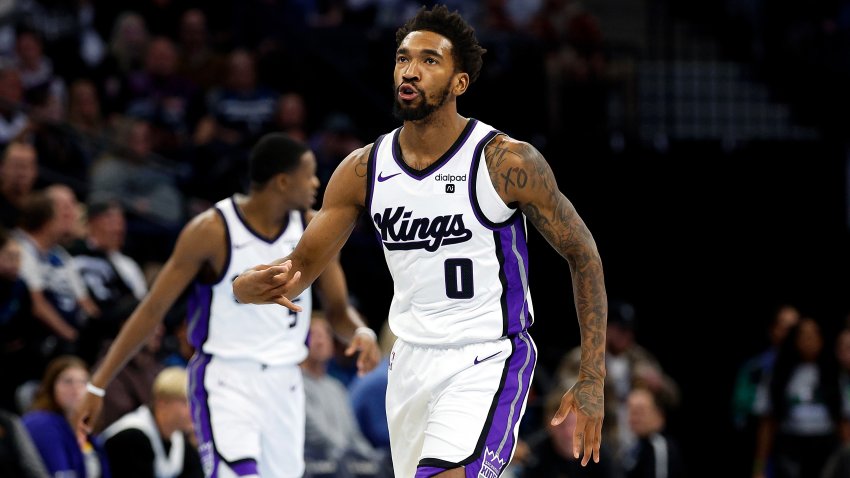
point(407, 92)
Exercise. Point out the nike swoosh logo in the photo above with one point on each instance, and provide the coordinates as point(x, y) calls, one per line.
point(486, 358)
point(240, 246)
point(384, 178)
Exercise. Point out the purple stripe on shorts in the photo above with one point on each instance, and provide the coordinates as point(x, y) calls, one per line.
point(201, 413)
point(244, 468)
point(501, 441)
point(428, 471)
point(198, 312)
point(515, 267)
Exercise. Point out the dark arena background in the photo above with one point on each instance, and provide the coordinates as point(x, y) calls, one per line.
point(704, 143)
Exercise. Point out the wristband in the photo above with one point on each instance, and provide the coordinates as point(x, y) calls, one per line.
point(366, 331)
point(96, 391)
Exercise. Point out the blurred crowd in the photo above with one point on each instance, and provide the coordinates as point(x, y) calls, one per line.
point(119, 121)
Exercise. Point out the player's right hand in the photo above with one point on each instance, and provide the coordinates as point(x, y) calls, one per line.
point(585, 399)
point(265, 284)
point(85, 416)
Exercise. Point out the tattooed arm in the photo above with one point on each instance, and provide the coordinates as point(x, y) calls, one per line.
point(345, 198)
point(522, 177)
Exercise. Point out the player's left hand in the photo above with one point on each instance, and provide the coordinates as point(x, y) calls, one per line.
point(370, 355)
point(586, 399)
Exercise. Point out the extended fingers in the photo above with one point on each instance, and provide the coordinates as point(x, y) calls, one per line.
point(598, 442)
point(589, 443)
point(587, 439)
point(282, 300)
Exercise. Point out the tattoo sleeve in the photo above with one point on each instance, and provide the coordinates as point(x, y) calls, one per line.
point(520, 174)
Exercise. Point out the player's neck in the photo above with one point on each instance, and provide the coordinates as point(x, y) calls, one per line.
point(423, 142)
point(265, 214)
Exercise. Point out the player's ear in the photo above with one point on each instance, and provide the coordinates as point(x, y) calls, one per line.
point(460, 82)
point(281, 181)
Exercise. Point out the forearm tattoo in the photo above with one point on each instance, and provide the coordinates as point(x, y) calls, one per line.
point(520, 174)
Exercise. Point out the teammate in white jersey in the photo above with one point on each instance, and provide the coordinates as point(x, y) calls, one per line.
point(449, 197)
point(245, 385)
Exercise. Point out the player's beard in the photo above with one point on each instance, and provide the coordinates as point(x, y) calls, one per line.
point(421, 111)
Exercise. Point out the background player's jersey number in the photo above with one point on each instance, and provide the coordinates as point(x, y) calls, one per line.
point(459, 279)
point(293, 316)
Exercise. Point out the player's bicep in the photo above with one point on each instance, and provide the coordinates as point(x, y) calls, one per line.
point(329, 228)
point(536, 193)
point(195, 246)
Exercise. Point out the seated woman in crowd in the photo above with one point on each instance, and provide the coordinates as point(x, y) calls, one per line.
point(61, 389)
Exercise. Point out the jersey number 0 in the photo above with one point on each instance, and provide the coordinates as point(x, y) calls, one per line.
point(459, 279)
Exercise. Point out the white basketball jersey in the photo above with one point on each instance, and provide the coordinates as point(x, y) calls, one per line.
point(269, 333)
point(456, 252)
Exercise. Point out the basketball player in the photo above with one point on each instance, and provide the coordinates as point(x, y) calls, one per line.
point(449, 197)
point(245, 385)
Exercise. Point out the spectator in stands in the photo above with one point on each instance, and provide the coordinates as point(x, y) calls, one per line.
point(69, 213)
point(332, 432)
point(198, 62)
point(38, 79)
point(18, 172)
point(654, 455)
point(126, 53)
point(13, 120)
point(751, 374)
point(291, 116)
point(18, 456)
point(61, 156)
point(145, 187)
point(800, 407)
point(59, 297)
point(85, 119)
point(67, 31)
point(61, 389)
point(155, 441)
point(159, 95)
point(241, 109)
point(114, 280)
point(19, 354)
point(238, 113)
point(332, 143)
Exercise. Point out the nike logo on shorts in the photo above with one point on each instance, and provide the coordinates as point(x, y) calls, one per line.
point(382, 178)
point(486, 358)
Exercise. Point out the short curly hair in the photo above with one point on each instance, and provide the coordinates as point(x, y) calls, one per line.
point(466, 51)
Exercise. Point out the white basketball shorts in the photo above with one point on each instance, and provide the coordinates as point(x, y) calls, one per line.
point(457, 406)
point(249, 417)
